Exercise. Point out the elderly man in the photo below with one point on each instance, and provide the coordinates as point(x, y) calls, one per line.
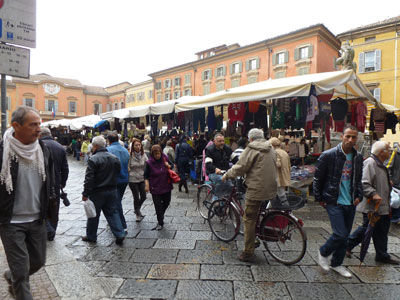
point(377, 188)
point(258, 164)
point(61, 171)
point(26, 187)
point(101, 187)
point(337, 188)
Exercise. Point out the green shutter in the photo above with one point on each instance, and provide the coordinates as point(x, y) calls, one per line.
point(296, 54)
point(210, 73)
point(334, 64)
point(310, 51)
point(55, 105)
point(240, 67)
point(361, 62)
point(230, 68)
point(224, 70)
point(274, 59)
point(46, 105)
point(258, 63)
point(377, 94)
point(286, 56)
point(247, 65)
point(378, 53)
point(33, 103)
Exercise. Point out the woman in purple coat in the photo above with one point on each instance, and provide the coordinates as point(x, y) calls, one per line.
point(157, 182)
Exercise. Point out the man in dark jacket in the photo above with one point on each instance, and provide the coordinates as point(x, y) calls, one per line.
point(26, 187)
point(61, 171)
point(338, 188)
point(101, 187)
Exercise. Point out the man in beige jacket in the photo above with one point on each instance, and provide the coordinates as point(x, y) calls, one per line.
point(283, 168)
point(258, 164)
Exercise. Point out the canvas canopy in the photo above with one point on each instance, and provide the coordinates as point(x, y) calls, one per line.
point(345, 84)
point(87, 121)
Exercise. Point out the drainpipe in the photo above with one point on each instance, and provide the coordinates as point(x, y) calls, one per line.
point(194, 80)
point(395, 68)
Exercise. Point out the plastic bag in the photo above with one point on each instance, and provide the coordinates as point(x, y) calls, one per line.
point(90, 209)
point(395, 198)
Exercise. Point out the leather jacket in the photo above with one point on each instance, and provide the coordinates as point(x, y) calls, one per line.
point(217, 158)
point(101, 173)
point(47, 193)
point(328, 174)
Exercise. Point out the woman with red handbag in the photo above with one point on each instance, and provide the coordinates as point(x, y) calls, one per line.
point(158, 182)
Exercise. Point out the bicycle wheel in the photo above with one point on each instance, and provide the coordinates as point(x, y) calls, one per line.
point(283, 237)
point(204, 200)
point(224, 220)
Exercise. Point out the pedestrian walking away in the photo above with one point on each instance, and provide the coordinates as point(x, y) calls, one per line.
point(376, 187)
point(123, 177)
point(100, 186)
point(157, 182)
point(26, 189)
point(137, 162)
point(61, 171)
point(258, 163)
point(337, 188)
point(183, 159)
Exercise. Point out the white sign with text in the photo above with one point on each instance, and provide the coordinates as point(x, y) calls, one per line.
point(14, 61)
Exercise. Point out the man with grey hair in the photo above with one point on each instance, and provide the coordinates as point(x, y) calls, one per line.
point(100, 186)
point(258, 164)
point(61, 171)
point(26, 188)
point(376, 187)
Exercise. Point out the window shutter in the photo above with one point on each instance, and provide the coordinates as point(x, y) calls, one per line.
point(100, 108)
point(286, 56)
point(33, 103)
point(230, 68)
point(23, 102)
point(56, 105)
point(8, 103)
point(378, 60)
point(224, 70)
point(108, 107)
point(240, 67)
point(296, 54)
point(202, 75)
point(361, 62)
point(258, 63)
point(334, 63)
point(274, 59)
point(310, 51)
point(247, 65)
point(173, 82)
point(377, 94)
point(210, 70)
point(46, 105)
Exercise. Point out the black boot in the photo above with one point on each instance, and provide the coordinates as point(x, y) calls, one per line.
point(180, 186)
point(186, 187)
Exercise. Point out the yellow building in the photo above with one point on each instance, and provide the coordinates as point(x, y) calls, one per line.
point(140, 94)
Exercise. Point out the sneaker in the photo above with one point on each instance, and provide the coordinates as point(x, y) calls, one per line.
point(342, 271)
point(323, 262)
point(158, 227)
point(86, 239)
point(246, 257)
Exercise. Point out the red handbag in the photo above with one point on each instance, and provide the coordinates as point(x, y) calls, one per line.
point(173, 176)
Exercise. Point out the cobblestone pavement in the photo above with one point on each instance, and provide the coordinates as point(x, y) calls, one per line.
point(184, 261)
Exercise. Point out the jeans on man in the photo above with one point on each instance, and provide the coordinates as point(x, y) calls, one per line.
point(25, 248)
point(341, 217)
point(121, 187)
point(379, 236)
point(105, 201)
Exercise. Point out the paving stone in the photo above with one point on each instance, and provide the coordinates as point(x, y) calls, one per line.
point(80, 231)
point(230, 258)
point(307, 260)
point(188, 220)
point(260, 291)
point(193, 235)
point(226, 272)
point(122, 254)
point(373, 291)
point(175, 212)
point(80, 252)
point(93, 266)
point(307, 291)
point(166, 256)
point(139, 243)
point(377, 274)
point(66, 240)
point(146, 288)
point(240, 245)
point(153, 219)
point(202, 227)
point(124, 270)
point(204, 290)
point(316, 274)
point(200, 257)
point(101, 253)
point(174, 271)
point(175, 244)
point(278, 273)
point(215, 245)
point(156, 234)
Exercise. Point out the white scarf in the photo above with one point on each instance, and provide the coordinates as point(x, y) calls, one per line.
point(14, 149)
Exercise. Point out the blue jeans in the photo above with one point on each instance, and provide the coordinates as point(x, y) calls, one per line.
point(121, 187)
point(395, 215)
point(341, 217)
point(105, 201)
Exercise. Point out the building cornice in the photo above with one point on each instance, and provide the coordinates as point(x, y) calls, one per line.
point(369, 30)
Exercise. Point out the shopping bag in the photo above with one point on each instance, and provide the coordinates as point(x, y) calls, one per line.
point(90, 209)
point(395, 198)
point(173, 176)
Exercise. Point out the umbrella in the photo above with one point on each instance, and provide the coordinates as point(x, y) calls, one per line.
point(373, 217)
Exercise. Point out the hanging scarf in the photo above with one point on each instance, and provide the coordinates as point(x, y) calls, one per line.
point(138, 155)
point(14, 149)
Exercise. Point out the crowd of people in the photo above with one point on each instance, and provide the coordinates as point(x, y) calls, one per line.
point(34, 169)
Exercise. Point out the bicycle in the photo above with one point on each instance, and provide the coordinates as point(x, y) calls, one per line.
point(280, 231)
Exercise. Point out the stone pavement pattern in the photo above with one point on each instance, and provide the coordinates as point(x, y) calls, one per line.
point(184, 261)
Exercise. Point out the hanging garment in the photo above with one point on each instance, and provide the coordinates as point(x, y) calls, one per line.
point(361, 112)
point(253, 106)
point(312, 109)
point(278, 118)
point(379, 114)
point(199, 116)
point(219, 123)
point(260, 118)
point(339, 109)
point(379, 126)
point(236, 112)
point(181, 120)
point(339, 126)
point(391, 122)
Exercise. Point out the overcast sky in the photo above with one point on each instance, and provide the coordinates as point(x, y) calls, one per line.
point(104, 42)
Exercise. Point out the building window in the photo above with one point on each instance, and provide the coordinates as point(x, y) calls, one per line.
point(280, 74)
point(177, 95)
point(220, 86)
point(177, 81)
point(29, 102)
point(281, 58)
point(236, 68)
point(167, 96)
point(159, 97)
point(167, 83)
point(252, 64)
point(220, 72)
point(187, 92)
point(122, 105)
point(72, 107)
point(115, 106)
point(51, 105)
point(303, 71)
point(140, 96)
point(158, 85)
point(370, 39)
point(206, 75)
point(303, 52)
point(252, 79)
point(188, 79)
point(206, 89)
point(235, 83)
point(150, 94)
point(97, 108)
point(369, 61)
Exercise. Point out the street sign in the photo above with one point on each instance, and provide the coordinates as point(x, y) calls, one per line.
point(18, 22)
point(14, 61)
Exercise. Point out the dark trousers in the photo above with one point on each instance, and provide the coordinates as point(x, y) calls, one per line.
point(52, 221)
point(379, 236)
point(121, 187)
point(139, 194)
point(105, 201)
point(341, 217)
point(161, 203)
point(25, 248)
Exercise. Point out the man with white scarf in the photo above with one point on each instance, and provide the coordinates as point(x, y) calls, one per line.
point(26, 187)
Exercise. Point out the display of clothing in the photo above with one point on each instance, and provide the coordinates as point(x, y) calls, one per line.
point(236, 112)
point(199, 117)
point(278, 118)
point(253, 106)
point(211, 122)
point(312, 109)
point(391, 122)
point(361, 112)
point(378, 114)
point(339, 109)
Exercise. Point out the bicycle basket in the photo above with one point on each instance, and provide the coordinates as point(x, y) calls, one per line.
point(223, 189)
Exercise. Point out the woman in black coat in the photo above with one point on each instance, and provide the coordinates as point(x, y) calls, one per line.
point(183, 160)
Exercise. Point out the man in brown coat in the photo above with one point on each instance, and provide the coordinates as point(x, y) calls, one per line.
point(258, 164)
point(283, 168)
